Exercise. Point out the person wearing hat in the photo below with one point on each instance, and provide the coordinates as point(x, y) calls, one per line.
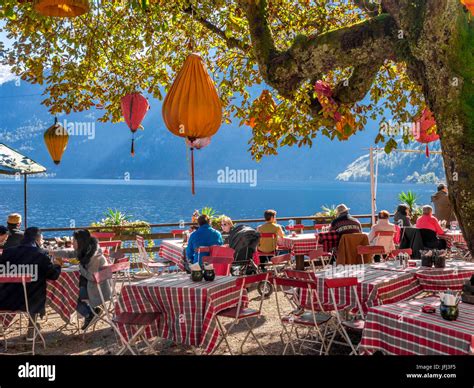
point(15, 234)
point(28, 254)
point(443, 210)
point(344, 223)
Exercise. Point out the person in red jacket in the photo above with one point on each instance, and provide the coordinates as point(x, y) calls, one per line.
point(428, 221)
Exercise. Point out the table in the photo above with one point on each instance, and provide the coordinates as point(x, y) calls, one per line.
point(403, 329)
point(299, 245)
point(187, 308)
point(456, 236)
point(173, 250)
point(62, 294)
point(375, 287)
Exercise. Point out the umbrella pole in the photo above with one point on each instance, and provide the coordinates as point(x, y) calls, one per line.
point(372, 185)
point(25, 181)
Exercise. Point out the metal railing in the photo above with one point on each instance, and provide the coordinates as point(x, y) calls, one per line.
point(130, 236)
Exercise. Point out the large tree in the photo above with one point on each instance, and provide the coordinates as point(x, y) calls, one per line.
point(383, 58)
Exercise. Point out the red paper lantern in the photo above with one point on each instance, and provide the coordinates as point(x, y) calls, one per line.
point(134, 108)
point(424, 129)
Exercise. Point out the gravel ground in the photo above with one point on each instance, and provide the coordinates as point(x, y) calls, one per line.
point(102, 341)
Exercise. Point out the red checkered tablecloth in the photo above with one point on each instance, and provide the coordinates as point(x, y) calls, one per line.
point(61, 295)
point(375, 287)
point(403, 329)
point(456, 236)
point(188, 308)
point(173, 250)
point(300, 244)
point(440, 279)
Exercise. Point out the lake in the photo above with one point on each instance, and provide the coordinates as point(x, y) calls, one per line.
point(64, 203)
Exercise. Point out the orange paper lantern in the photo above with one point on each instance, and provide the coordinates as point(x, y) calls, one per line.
point(62, 8)
point(56, 139)
point(469, 4)
point(192, 108)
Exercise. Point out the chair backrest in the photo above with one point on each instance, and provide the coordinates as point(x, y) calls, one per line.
point(428, 236)
point(299, 227)
point(220, 251)
point(281, 259)
point(301, 275)
point(221, 264)
point(322, 227)
point(244, 281)
point(103, 235)
point(296, 283)
point(341, 282)
point(347, 248)
point(370, 249)
point(177, 232)
point(386, 233)
point(16, 279)
point(406, 251)
point(347, 282)
point(103, 275)
point(120, 266)
point(142, 254)
point(269, 236)
point(110, 244)
point(317, 254)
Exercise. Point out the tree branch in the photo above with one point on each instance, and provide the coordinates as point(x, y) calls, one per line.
point(230, 41)
point(364, 46)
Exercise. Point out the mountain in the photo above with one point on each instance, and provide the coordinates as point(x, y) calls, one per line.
point(399, 166)
point(102, 150)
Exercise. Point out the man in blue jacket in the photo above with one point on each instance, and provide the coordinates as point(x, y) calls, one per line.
point(204, 236)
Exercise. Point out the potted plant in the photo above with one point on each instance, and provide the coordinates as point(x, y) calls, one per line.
point(409, 198)
point(328, 212)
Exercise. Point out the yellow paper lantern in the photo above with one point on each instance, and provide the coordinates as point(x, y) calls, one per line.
point(56, 139)
point(62, 8)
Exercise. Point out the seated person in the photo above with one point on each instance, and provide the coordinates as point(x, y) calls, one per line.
point(268, 245)
point(383, 225)
point(344, 223)
point(430, 222)
point(402, 216)
point(204, 236)
point(91, 260)
point(15, 234)
point(29, 254)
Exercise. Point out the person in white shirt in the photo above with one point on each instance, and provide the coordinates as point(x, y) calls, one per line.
point(383, 225)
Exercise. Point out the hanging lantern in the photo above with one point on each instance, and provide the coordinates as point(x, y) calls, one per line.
point(199, 143)
point(134, 108)
point(469, 4)
point(62, 8)
point(56, 139)
point(424, 129)
point(192, 108)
